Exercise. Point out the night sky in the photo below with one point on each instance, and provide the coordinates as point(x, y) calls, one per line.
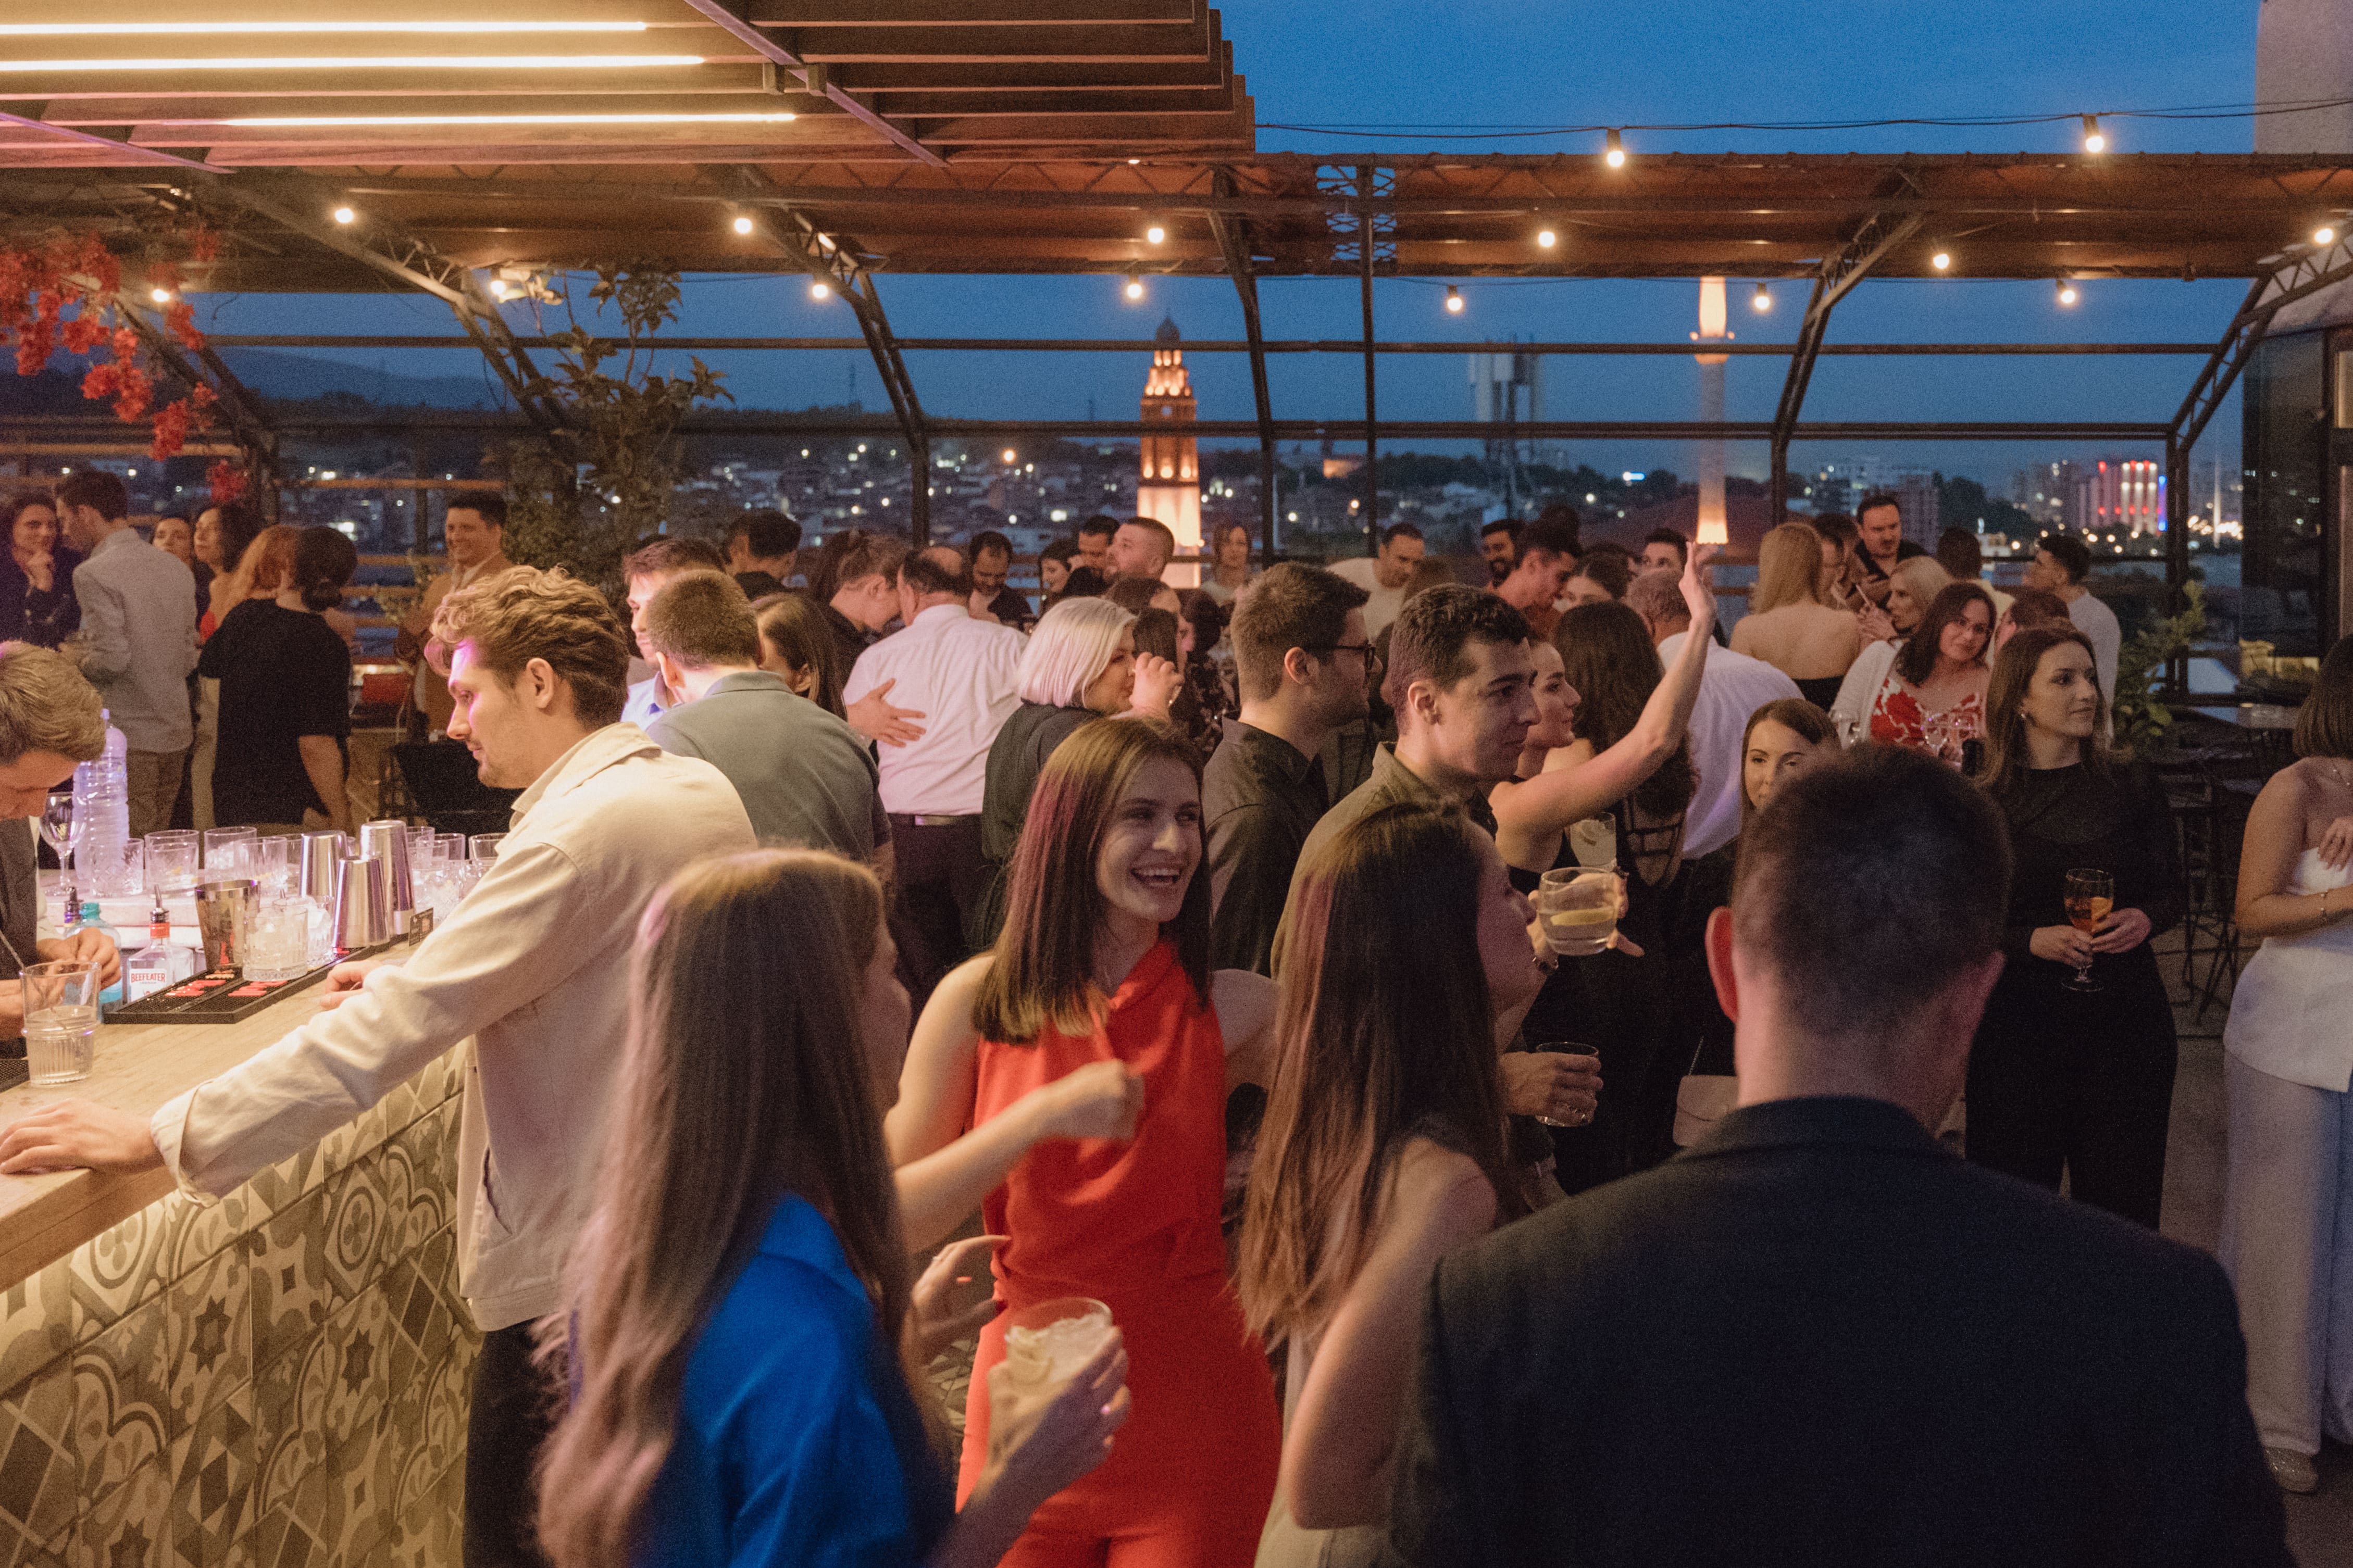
point(1484, 63)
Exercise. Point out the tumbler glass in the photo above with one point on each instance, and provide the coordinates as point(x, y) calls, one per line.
point(60, 1021)
point(278, 940)
point(486, 844)
point(1579, 916)
point(229, 848)
point(274, 864)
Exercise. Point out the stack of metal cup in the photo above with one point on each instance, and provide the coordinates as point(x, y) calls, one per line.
point(385, 844)
point(363, 918)
point(323, 858)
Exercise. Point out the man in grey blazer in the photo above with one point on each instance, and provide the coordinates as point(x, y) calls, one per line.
point(805, 775)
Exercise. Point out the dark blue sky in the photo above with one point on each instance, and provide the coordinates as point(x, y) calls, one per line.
point(1523, 62)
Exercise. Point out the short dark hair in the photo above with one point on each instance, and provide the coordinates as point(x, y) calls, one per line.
point(850, 556)
point(491, 506)
point(1958, 552)
point(1607, 567)
point(1159, 531)
point(1155, 633)
point(1546, 536)
point(2075, 557)
point(1290, 606)
point(661, 555)
point(703, 620)
point(988, 539)
point(1398, 530)
point(1099, 526)
point(1671, 538)
point(925, 575)
point(1431, 638)
point(2032, 607)
point(1083, 583)
point(1061, 549)
point(1133, 595)
point(2324, 725)
point(324, 562)
point(1560, 514)
point(1834, 526)
point(97, 489)
point(765, 533)
point(1873, 501)
point(1510, 525)
point(1868, 884)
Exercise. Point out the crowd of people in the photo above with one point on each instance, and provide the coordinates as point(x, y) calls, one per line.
point(1182, 940)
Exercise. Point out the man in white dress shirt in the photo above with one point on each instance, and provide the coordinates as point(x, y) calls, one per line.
point(1383, 577)
point(1731, 687)
point(965, 676)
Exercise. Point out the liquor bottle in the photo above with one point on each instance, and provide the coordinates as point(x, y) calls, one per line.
point(161, 964)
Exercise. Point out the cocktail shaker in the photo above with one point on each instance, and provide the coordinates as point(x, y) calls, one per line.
point(321, 853)
point(386, 843)
point(362, 919)
point(224, 911)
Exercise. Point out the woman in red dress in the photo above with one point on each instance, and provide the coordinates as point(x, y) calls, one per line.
point(1933, 700)
point(1071, 1083)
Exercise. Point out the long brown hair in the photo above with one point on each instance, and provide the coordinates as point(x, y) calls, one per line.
point(795, 628)
point(2324, 724)
point(1795, 714)
point(1041, 972)
point(2005, 708)
point(1384, 1026)
point(1606, 652)
point(1916, 661)
point(744, 1080)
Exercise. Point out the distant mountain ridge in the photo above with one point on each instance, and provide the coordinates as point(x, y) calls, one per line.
point(298, 378)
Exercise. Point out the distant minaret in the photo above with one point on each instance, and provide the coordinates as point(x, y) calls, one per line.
point(1712, 329)
point(1170, 488)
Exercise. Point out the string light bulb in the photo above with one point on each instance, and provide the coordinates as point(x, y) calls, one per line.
point(2094, 139)
point(820, 290)
point(345, 215)
point(160, 296)
point(2325, 234)
point(498, 288)
point(1008, 454)
point(1942, 260)
point(1761, 300)
point(2067, 295)
point(1453, 301)
point(1615, 154)
point(1135, 287)
point(1547, 239)
point(1154, 235)
point(743, 226)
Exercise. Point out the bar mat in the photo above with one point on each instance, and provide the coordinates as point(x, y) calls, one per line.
point(218, 996)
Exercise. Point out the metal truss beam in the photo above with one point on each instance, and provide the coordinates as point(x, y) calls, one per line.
point(1837, 277)
point(306, 207)
point(834, 260)
point(2310, 272)
point(1233, 346)
point(815, 80)
point(1233, 242)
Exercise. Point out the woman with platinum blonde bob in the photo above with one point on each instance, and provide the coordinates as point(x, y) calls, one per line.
point(746, 1343)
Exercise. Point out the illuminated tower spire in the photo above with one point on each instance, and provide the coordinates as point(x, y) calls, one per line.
point(1170, 487)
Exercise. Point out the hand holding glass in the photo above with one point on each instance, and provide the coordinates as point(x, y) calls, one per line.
point(2089, 895)
point(1578, 913)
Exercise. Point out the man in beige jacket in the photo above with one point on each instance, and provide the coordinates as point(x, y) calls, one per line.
point(474, 530)
point(533, 965)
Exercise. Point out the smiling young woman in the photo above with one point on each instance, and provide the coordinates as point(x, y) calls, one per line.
point(2063, 1079)
point(1090, 1053)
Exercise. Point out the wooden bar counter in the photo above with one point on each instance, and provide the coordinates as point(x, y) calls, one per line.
point(278, 1378)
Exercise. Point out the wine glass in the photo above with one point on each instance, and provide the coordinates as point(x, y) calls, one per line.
point(2089, 895)
point(62, 831)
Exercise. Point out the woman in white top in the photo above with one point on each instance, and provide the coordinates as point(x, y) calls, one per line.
point(1788, 626)
point(1911, 586)
point(1229, 572)
point(2288, 1193)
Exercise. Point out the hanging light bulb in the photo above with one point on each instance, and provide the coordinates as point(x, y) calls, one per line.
point(1942, 259)
point(743, 226)
point(1454, 300)
point(1547, 239)
point(1156, 234)
point(2325, 234)
point(2067, 295)
point(160, 296)
point(1615, 156)
point(1762, 299)
point(820, 290)
point(1135, 287)
point(2094, 139)
point(498, 288)
point(345, 215)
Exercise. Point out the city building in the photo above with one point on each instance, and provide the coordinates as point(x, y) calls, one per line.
point(1170, 487)
point(2117, 500)
point(1916, 492)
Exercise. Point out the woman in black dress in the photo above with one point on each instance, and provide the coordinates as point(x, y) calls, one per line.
point(37, 592)
point(2062, 1079)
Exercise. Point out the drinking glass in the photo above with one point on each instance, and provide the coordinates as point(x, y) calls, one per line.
point(60, 1021)
point(1568, 1048)
point(172, 861)
point(1050, 1342)
point(1594, 841)
point(229, 849)
point(420, 847)
point(278, 940)
point(62, 830)
point(121, 867)
point(486, 844)
point(274, 863)
point(1579, 916)
point(2089, 895)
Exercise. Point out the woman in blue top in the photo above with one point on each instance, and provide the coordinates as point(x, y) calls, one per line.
point(739, 1348)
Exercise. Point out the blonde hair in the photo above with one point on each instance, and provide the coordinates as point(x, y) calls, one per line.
point(526, 613)
point(1789, 569)
point(46, 706)
point(743, 1083)
point(1922, 578)
point(1071, 644)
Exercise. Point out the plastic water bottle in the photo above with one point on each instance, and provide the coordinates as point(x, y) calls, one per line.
point(102, 806)
point(91, 919)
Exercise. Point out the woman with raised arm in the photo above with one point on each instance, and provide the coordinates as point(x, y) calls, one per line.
point(1586, 776)
point(743, 1328)
point(1383, 1148)
point(2287, 1195)
point(1089, 1054)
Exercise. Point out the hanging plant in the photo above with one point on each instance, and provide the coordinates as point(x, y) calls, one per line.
point(65, 295)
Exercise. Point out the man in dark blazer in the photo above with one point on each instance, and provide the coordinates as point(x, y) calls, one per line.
point(1818, 1337)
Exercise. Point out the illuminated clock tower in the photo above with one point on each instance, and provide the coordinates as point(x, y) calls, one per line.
point(1170, 489)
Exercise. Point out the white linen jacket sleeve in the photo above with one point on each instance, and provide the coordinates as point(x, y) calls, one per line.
point(505, 947)
point(1860, 687)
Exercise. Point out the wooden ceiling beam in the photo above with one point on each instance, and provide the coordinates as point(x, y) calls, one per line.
point(1198, 40)
point(969, 13)
point(739, 75)
point(702, 40)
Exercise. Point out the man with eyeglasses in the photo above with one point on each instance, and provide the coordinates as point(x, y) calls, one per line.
point(1305, 666)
